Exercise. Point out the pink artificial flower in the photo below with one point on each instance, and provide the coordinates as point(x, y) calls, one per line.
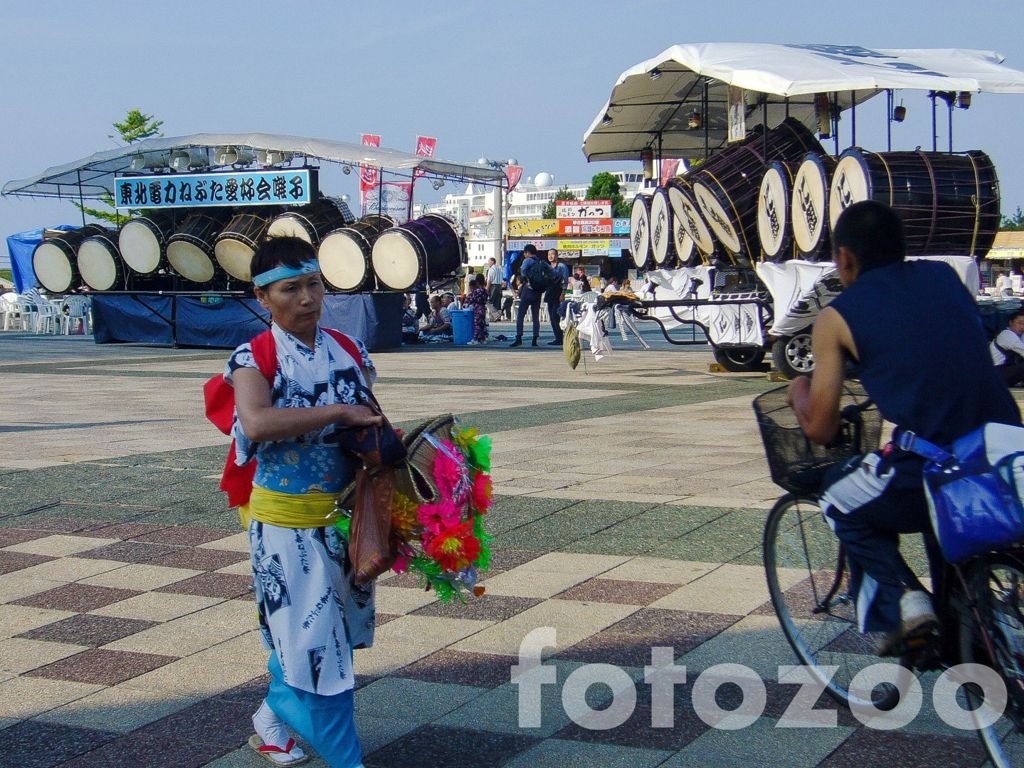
point(451, 473)
point(434, 517)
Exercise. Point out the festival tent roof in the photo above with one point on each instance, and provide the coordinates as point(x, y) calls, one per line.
point(651, 103)
point(93, 176)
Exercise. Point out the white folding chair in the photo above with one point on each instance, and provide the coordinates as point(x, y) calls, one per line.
point(74, 314)
point(46, 314)
point(23, 316)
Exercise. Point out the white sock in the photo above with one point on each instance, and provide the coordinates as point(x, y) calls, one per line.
point(269, 727)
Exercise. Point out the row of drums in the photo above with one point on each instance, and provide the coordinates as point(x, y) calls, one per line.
point(211, 249)
point(745, 204)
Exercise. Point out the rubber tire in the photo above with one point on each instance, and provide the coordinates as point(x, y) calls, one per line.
point(740, 359)
point(792, 356)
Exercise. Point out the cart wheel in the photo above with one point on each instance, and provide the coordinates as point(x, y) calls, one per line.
point(739, 359)
point(792, 356)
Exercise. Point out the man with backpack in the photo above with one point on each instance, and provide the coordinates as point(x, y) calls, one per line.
point(534, 275)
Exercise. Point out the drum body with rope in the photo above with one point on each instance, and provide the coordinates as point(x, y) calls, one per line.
point(100, 263)
point(640, 231)
point(727, 186)
point(237, 242)
point(774, 228)
point(663, 242)
point(310, 222)
point(687, 212)
point(949, 203)
point(143, 242)
point(810, 206)
point(345, 254)
point(417, 251)
point(55, 260)
point(190, 248)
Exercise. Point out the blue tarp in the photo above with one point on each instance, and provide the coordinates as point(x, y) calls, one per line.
point(20, 247)
point(206, 321)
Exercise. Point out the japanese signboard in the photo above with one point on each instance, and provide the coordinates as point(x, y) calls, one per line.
point(620, 226)
point(577, 227)
point(268, 187)
point(583, 209)
point(532, 227)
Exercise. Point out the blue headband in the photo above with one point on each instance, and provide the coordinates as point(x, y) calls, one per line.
point(283, 273)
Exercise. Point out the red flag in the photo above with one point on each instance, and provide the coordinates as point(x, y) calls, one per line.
point(513, 174)
point(425, 147)
point(368, 173)
point(668, 170)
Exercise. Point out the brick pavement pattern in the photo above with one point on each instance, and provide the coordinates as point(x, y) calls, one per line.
point(628, 515)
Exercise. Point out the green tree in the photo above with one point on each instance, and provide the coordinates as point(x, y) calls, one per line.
point(1013, 223)
point(136, 126)
point(604, 186)
point(563, 193)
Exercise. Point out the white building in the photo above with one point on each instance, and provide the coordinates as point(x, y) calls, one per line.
point(478, 210)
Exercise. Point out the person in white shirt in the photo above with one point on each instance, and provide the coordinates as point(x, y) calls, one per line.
point(493, 283)
point(1008, 350)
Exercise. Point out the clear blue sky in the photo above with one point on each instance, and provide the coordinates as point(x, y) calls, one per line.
point(496, 79)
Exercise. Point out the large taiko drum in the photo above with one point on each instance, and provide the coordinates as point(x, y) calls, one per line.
point(143, 242)
point(686, 250)
point(100, 263)
point(810, 205)
point(640, 231)
point(774, 228)
point(726, 186)
point(345, 254)
point(687, 212)
point(663, 244)
point(949, 203)
point(237, 242)
point(190, 248)
point(417, 251)
point(310, 222)
point(55, 261)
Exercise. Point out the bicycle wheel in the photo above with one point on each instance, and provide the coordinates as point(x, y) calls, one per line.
point(997, 586)
point(808, 584)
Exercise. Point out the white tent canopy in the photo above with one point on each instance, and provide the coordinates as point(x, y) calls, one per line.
point(651, 103)
point(93, 176)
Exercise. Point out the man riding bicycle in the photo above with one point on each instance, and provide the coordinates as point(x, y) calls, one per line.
point(915, 335)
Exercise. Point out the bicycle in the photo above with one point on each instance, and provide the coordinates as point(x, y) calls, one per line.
point(980, 605)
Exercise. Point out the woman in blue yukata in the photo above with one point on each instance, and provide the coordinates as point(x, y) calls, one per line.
point(311, 614)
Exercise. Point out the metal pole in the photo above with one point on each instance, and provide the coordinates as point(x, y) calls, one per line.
point(935, 129)
point(81, 200)
point(853, 118)
point(949, 123)
point(888, 120)
point(704, 119)
point(833, 109)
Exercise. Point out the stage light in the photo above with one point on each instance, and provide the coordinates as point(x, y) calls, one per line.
point(346, 168)
point(273, 157)
point(694, 121)
point(606, 120)
point(438, 183)
point(899, 114)
point(225, 156)
point(655, 73)
point(152, 161)
point(964, 100)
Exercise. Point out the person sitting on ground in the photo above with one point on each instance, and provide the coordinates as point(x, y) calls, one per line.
point(928, 372)
point(611, 285)
point(1008, 350)
point(438, 322)
point(410, 334)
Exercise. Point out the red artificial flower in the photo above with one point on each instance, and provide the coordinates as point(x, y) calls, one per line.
point(483, 492)
point(454, 547)
point(434, 517)
point(451, 473)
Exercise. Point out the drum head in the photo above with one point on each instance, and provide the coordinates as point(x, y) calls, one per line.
point(98, 264)
point(662, 240)
point(684, 243)
point(53, 267)
point(773, 209)
point(344, 259)
point(810, 195)
point(850, 184)
point(141, 245)
point(397, 259)
point(686, 210)
point(287, 225)
point(640, 229)
point(717, 217)
point(235, 257)
point(190, 261)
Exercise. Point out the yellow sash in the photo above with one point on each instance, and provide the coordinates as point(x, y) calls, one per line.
point(289, 510)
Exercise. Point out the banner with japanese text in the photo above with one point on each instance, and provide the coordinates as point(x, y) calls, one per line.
point(669, 169)
point(426, 146)
point(513, 174)
point(369, 175)
point(268, 187)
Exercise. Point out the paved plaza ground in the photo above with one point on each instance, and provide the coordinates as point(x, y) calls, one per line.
point(630, 501)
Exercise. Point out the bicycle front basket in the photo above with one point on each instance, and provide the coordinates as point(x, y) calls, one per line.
point(797, 464)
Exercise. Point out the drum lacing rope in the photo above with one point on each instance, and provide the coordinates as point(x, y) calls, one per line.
point(975, 198)
point(935, 199)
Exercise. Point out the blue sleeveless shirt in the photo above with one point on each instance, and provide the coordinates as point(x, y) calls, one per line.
point(923, 353)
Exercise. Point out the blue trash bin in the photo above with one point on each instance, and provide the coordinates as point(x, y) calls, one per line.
point(462, 325)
